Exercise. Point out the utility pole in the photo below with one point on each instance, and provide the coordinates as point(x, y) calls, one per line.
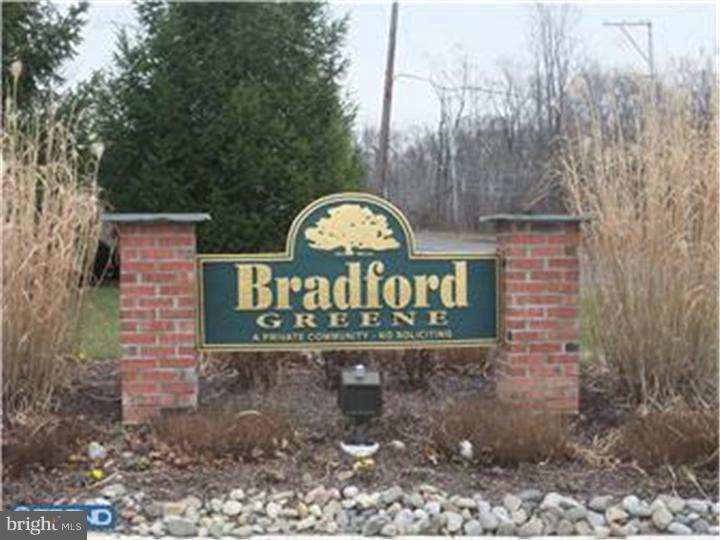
point(382, 161)
point(647, 54)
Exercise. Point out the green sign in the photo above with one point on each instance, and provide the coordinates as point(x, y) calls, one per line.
point(350, 278)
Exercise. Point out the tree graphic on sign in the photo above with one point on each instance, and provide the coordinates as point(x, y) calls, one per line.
point(351, 227)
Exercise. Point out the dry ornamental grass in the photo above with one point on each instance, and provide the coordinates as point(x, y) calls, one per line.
point(649, 181)
point(50, 229)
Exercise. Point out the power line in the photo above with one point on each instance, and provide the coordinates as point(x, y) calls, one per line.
point(647, 53)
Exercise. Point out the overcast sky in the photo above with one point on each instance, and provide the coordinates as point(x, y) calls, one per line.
point(433, 36)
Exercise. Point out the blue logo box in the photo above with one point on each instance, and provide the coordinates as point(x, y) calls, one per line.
point(100, 517)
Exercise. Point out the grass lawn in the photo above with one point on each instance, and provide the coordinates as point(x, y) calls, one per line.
point(100, 324)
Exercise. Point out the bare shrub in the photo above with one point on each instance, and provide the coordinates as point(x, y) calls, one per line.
point(500, 433)
point(673, 437)
point(41, 442)
point(50, 230)
point(649, 181)
point(222, 433)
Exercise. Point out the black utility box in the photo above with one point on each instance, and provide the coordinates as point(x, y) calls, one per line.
point(360, 392)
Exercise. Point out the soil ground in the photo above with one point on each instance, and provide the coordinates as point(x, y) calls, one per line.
point(300, 390)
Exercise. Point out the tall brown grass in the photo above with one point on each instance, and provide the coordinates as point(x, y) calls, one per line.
point(50, 228)
point(650, 185)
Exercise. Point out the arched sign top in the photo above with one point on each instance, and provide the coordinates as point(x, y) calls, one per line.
point(348, 225)
point(349, 279)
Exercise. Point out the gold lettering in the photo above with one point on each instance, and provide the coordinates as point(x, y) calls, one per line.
point(305, 320)
point(374, 270)
point(403, 317)
point(252, 283)
point(397, 292)
point(269, 320)
point(456, 284)
point(284, 287)
point(318, 293)
point(423, 284)
point(369, 319)
point(338, 319)
point(346, 289)
point(437, 317)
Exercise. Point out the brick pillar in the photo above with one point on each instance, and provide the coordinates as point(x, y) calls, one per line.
point(157, 312)
point(541, 299)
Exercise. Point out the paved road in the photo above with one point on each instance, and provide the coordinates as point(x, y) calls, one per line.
point(93, 536)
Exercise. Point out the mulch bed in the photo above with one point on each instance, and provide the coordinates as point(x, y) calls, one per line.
point(300, 390)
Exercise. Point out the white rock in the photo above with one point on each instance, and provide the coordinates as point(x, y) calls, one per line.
point(237, 494)
point(473, 528)
point(466, 450)
point(636, 507)
point(534, 527)
point(398, 446)
point(231, 508)
point(113, 491)
point(697, 505)
point(96, 451)
point(511, 502)
point(600, 503)
point(679, 528)
point(350, 492)
point(273, 510)
point(615, 514)
point(488, 520)
point(180, 526)
point(454, 521)
point(661, 517)
point(403, 519)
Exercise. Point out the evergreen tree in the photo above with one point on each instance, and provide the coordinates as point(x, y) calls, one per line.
point(42, 38)
point(230, 108)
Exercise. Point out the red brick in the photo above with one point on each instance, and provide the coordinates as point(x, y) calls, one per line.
point(156, 302)
point(563, 312)
point(177, 313)
point(156, 326)
point(530, 264)
point(526, 238)
point(545, 347)
point(547, 251)
point(137, 339)
point(137, 290)
point(570, 262)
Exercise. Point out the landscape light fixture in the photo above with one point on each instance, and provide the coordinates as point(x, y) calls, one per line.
point(359, 399)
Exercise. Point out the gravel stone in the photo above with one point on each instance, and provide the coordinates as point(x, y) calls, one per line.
point(242, 532)
point(466, 502)
point(473, 528)
point(616, 514)
point(506, 528)
point(454, 521)
point(565, 527)
point(113, 491)
point(697, 505)
point(391, 495)
point(373, 526)
point(534, 527)
point(488, 520)
point(583, 528)
point(661, 517)
point(675, 504)
point(511, 502)
point(575, 514)
point(600, 503)
point(636, 507)
point(389, 530)
point(679, 528)
point(232, 508)
point(237, 494)
point(273, 510)
point(350, 492)
point(601, 532)
point(403, 519)
point(519, 516)
point(701, 526)
point(596, 519)
point(306, 523)
point(180, 526)
point(533, 495)
point(432, 508)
